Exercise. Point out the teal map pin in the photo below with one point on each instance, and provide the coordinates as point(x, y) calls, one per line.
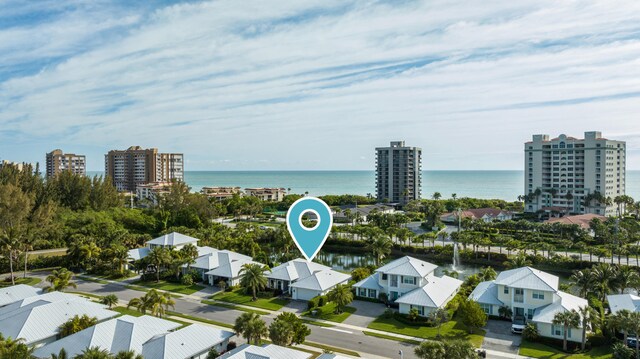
point(309, 240)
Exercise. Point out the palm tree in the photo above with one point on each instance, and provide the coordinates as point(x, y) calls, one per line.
point(250, 326)
point(155, 302)
point(128, 354)
point(381, 248)
point(76, 324)
point(587, 321)
point(436, 196)
point(487, 273)
point(430, 349)
point(94, 353)
point(15, 348)
point(190, 253)
point(519, 261)
point(60, 280)
point(582, 280)
point(109, 300)
point(158, 257)
point(89, 254)
point(626, 278)
point(252, 278)
point(341, 295)
point(620, 322)
point(62, 354)
point(634, 327)
point(568, 319)
point(603, 276)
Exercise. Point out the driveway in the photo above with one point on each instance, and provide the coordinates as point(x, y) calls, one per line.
point(295, 306)
point(500, 338)
point(366, 312)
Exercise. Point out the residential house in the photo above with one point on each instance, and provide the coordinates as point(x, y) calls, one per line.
point(17, 292)
point(533, 295)
point(304, 280)
point(411, 283)
point(192, 342)
point(484, 214)
point(267, 351)
point(220, 265)
point(119, 334)
point(618, 302)
point(220, 193)
point(173, 241)
point(582, 220)
point(360, 213)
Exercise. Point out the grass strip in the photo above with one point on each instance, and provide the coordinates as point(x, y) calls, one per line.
point(332, 349)
point(235, 307)
point(319, 324)
point(390, 337)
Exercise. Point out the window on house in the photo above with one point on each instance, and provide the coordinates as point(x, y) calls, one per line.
point(506, 290)
point(384, 276)
point(530, 313)
point(409, 280)
point(538, 295)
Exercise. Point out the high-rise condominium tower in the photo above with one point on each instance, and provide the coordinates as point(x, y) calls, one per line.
point(567, 175)
point(398, 173)
point(57, 161)
point(136, 165)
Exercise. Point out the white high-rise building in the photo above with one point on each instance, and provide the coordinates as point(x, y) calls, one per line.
point(398, 173)
point(567, 175)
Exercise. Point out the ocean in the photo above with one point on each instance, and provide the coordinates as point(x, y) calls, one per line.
point(506, 185)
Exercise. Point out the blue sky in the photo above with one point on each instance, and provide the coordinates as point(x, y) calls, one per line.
point(314, 84)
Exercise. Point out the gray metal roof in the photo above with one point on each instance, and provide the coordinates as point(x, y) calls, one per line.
point(17, 292)
point(528, 278)
point(434, 294)
point(322, 280)
point(371, 282)
point(408, 266)
point(486, 293)
point(185, 342)
point(173, 239)
point(269, 351)
point(295, 269)
point(618, 302)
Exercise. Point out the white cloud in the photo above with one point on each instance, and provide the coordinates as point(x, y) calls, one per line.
point(319, 84)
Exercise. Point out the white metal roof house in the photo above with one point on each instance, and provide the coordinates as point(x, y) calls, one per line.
point(269, 351)
point(396, 278)
point(618, 302)
point(193, 341)
point(436, 293)
point(303, 279)
point(173, 241)
point(531, 294)
point(114, 335)
point(17, 292)
point(37, 319)
point(220, 265)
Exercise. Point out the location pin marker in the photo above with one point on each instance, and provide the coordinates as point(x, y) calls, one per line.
point(309, 240)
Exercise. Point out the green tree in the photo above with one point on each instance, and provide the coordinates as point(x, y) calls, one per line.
point(300, 330)
point(94, 353)
point(473, 316)
point(251, 327)
point(620, 321)
point(62, 354)
point(158, 257)
point(252, 278)
point(381, 248)
point(568, 319)
point(487, 274)
point(14, 348)
point(60, 280)
point(155, 302)
point(109, 300)
point(341, 295)
point(360, 273)
point(76, 324)
point(634, 327)
point(438, 317)
point(128, 354)
point(430, 349)
point(587, 316)
point(280, 332)
point(15, 206)
point(458, 349)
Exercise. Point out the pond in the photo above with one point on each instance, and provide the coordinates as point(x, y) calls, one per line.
point(347, 262)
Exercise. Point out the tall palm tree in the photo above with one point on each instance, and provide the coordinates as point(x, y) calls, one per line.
point(89, 254)
point(587, 322)
point(634, 326)
point(620, 322)
point(109, 300)
point(252, 278)
point(583, 281)
point(62, 354)
point(190, 253)
point(568, 319)
point(626, 278)
point(94, 353)
point(158, 257)
point(603, 276)
point(60, 280)
point(341, 295)
point(250, 326)
point(381, 248)
point(155, 302)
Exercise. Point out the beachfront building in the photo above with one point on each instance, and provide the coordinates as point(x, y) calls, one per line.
point(267, 194)
point(119, 334)
point(135, 166)
point(482, 214)
point(411, 283)
point(220, 193)
point(562, 172)
point(618, 302)
point(304, 280)
point(267, 351)
point(581, 220)
point(37, 319)
point(220, 265)
point(533, 295)
point(58, 161)
point(398, 173)
point(152, 191)
point(17, 292)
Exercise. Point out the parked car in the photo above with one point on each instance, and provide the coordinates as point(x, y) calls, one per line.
point(631, 342)
point(518, 325)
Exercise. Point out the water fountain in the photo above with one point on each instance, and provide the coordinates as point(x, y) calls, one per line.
point(456, 257)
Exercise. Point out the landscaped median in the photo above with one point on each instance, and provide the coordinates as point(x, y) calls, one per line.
point(538, 350)
point(170, 287)
point(452, 329)
point(238, 296)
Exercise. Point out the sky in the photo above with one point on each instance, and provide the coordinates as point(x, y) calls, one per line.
point(317, 84)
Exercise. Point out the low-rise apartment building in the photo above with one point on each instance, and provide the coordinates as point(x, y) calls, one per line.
point(220, 193)
point(267, 194)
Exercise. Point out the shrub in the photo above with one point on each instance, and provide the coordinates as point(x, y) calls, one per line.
point(312, 303)
point(322, 300)
point(597, 340)
point(621, 351)
point(530, 332)
point(231, 346)
point(388, 314)
point(187, 279)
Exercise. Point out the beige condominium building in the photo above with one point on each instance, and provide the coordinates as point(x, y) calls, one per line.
point(267, 194)
point(58, 161)
point(398, 173)
point(568, 175)
point(135, 165)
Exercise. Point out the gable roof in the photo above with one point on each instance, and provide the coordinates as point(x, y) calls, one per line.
point(173, 239)
point(371, 282)
point(566, 302)
point(119, 334)
point(17, 292)
point(408, 266)
point(269, 351)
point(486, 293)
point(137, 254)
point(295, 269)
point(583, 220)
point(618, 302)
point(434, 294)
point(40, 319)
point(528, 278)
point(184, 343)
point(477, 213)
point(322, 280)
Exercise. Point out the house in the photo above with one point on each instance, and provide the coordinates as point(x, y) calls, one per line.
point(191, 342)
point(220, 265)
point(360, 212)
point(268, 351)
point(37, 319)
point(119, 334)
point(485, 214)
point(173, 241)
point(411, 283)
point(618, 302)
point(17, 292)
point(582, 220)
point(304, 280)
point(530, 294)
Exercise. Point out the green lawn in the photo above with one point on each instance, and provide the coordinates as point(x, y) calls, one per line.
point(390, 337)
point(238, 297)
point(318, 324)
point(451, 330)
point(235, 307)
point(171, 287)
point(332, 349)
point(127, 311)
point(326, 312)
point(28, 281)
point(537, 350)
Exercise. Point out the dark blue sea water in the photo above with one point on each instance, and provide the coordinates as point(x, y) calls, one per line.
point(505, 185)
